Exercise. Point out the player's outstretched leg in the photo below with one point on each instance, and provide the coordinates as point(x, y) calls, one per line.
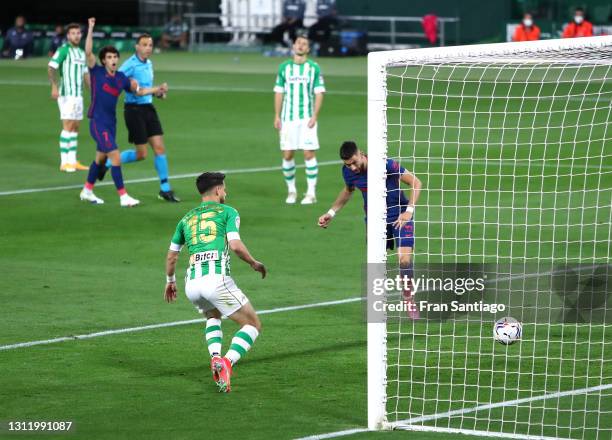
point(289, 174)
point(87, 191)
point(243, 340)
point(312, 170)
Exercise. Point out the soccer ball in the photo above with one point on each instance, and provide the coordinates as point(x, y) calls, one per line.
point(507, 331)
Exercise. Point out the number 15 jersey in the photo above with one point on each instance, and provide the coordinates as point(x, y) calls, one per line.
point(206, 230)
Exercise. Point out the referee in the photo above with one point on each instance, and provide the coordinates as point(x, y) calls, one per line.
point(141, 118)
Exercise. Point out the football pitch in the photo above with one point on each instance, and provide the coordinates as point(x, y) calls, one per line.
point(71, 268)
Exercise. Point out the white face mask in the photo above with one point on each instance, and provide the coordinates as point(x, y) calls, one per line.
point(528, 22)
point(578, 19)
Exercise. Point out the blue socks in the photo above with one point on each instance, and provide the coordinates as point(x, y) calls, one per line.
point(117, 178)
point(93, 173)
point(161, 165)
point(127, 156)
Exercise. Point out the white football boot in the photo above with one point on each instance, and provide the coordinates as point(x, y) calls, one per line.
point(308, 199)
point(127, 202)
point(89, 196)
point(291, 198)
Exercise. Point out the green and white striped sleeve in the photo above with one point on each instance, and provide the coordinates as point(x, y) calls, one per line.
point(178, 239)
point(279, 86)
point(58, 57)
point(318, 82)
point(84, 66)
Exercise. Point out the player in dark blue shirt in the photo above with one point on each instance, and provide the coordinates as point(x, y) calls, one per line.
point(400, 209)
point(106, 86)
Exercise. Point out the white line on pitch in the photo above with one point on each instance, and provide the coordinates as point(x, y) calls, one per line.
point(155, 179)
point(334, 434)
point(412, 422)
point(506, 163)
point(170, 324)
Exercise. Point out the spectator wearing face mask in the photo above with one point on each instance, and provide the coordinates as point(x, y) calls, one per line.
point(527, 30)
point(579, 27)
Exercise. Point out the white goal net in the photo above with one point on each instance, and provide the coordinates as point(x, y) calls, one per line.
point(513, 148)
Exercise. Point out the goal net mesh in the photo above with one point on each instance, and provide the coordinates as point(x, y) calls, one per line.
point(515, 156)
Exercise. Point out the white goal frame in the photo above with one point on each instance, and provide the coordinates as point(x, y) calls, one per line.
point(378, 62)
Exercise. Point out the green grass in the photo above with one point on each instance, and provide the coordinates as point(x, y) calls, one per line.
point(71, 268)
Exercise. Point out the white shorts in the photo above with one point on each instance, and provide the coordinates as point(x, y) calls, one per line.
point(295, 135)
point(215, 292)
point(70, 107)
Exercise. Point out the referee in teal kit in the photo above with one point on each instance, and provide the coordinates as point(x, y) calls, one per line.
point(141, 118)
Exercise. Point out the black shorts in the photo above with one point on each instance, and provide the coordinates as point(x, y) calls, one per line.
point(142, 122)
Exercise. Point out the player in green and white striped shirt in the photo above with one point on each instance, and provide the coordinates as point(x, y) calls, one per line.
point(69, 59)
point(209, 231)
point(298, 98)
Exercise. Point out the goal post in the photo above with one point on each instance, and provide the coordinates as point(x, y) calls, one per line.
point(512, 144)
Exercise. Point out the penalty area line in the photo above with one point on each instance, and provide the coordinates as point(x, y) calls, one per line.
point(169, 324)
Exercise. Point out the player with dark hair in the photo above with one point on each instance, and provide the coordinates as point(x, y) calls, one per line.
point(209, 231)
point(400, 209)
point(141, 117)
point(298, 97)
point(69, 60)
point(106, 86)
